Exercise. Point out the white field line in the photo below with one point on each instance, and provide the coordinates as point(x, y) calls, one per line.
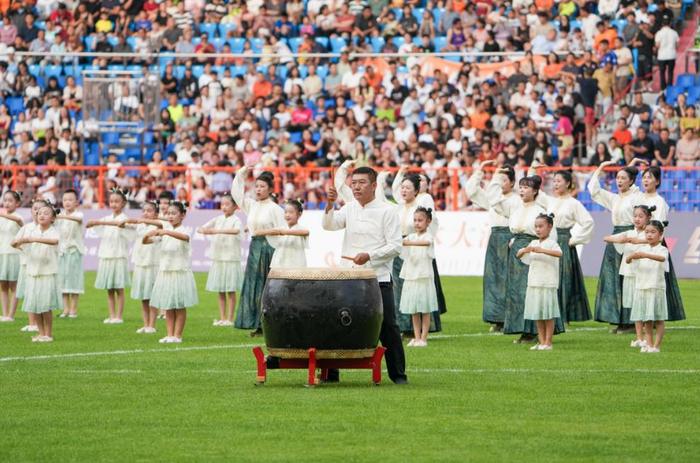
point(244, 346)
point(125, 352)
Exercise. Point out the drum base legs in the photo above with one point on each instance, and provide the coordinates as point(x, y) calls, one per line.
point(312, 363)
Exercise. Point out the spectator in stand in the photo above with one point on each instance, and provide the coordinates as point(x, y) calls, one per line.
point(666, 41)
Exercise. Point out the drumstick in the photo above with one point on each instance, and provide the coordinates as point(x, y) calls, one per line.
point(347, 258)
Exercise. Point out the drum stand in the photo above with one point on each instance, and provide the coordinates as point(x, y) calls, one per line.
point(311, 363)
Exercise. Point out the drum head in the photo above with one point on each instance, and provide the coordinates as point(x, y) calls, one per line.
point(320, 273)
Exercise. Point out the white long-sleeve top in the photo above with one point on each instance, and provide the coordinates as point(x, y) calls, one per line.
point(41, 259)
point(654, 199)
point(568, 211)
point(224, 247)
point(626, 249)
point(650, 273)
point(115, 240)
point(261, 215)
point(291, 250)
point(521, 216)
point(145, 255)
point(418, 260)
point(620, 204)
point(478, 196)
point(544, 269)
point(175, 254)
point(373, 228)
point(422, 200)
point(71, 233)
point(25, 230)
point(8, 231)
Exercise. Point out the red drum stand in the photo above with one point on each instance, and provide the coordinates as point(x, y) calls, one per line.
point(312, 362)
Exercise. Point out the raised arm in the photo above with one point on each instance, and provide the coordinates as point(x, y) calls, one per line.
point(238, 189)
point(381, 182)
point(67, 217)
point(332, 219)
point(472, 186)
point(598, 194)
point(339, 179)
point(291, 232)
point(396, 185)
point(155, 222)
point(496, 199)
point(174, 234)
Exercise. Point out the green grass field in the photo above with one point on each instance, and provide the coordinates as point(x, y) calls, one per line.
point(103, 393)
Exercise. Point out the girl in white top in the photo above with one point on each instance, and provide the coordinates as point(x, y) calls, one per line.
point(71, 251)
point(418, 294)
point(649, 305)
point(494, 281)
point(609, 293)
point(145, 259)
point(10, 224)
point(225, 275)
point(262, 214)
point(42, 289)
point(174, 289)
point(113, 254)
point(291, 247)
point(541, 300)
point(574, 226)
point(626, 243)
point(651, 180)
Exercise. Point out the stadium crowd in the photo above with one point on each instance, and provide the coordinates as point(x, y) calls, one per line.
point(554, 103)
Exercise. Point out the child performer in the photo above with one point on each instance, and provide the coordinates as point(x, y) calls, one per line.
point(225, 276)
point(291, 248)
point(649, 304)
point(26, 229)
point(10, 224)
point(164, 199)
point(71, 250)
point(145, 260)
point(113, 254)
point(174, 289)
point(626, 243)
point(608, 300)
point(494, 281)
point(418, 294)
point(651, 180)
point(541, 299)
point(263, 214)
point(42, 287)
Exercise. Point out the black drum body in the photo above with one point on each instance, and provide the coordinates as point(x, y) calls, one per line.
point(328, 309)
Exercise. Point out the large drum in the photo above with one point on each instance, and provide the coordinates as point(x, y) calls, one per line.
point(337, 311)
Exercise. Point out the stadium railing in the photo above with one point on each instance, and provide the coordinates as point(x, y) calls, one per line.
point(680, 186)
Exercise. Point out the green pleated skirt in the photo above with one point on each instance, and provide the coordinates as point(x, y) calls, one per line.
point(494, 291)
point(608, 298)
point(573, 300)
point(516, 289)
point(404, 320)
point(676, 311)
point(249, 312)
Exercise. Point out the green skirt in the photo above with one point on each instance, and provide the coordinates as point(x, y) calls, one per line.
point(676, 311)
point(573, 300)
point(608, 298)
point(516, 289)
point(494, 291)
point(249, 312)
point(404, 320)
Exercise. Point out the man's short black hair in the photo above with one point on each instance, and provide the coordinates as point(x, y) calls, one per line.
point(368, 171)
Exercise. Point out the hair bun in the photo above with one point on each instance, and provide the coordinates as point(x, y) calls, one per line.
point(652, 208)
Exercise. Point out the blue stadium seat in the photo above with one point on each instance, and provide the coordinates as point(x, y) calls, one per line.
point(303, 71)
point(53, 70)
point(257, 45)
point(239, 70)
point(440, 43)
point(218, 43)
point(15, 104)
point(672, 93)
point(575, 24)
point(237, 44)
point(40, 25)
point(337, 44)
point(323, 41)
point(685, 81)
point(113, 40)
point(322, 71)
point(693, 95)
point(398, 41)
point(294, 43)
point(377, 44)
point(225, 28)
point(197, 70)
point(131, 41)
point(684, 207)
point(209, 29)
point(281, 72)
point(418, 14)
point(262, 68)
point(90, 42)
point(295, 137)
point(398, 12)
point(35, 70)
